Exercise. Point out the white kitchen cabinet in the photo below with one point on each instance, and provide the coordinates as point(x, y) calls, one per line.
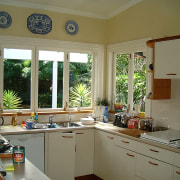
point(124, 164)
point(167, 59)
point(148, 168)
point(34, 147)
point(104, 155)
point(60, 155)
point(84, 155)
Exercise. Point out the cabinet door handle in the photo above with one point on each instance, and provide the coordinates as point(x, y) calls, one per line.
point(153, 163)
point(67, 136)
point(154, 150)
point(171, 74)
point(110, 137)
point(177, 172)
point(129, 154)
point(80, 133)
point(124, 141)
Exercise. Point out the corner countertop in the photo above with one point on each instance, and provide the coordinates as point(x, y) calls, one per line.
point(133, 134)
point(23, 171)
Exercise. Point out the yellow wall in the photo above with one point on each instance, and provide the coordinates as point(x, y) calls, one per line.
point(148, 19)
point(91, 30)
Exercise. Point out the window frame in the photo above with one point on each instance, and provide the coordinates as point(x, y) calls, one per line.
point(129, 47)
point(67, 47)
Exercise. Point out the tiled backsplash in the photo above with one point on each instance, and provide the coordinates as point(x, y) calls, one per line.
point(45, 118)
point(167, 112)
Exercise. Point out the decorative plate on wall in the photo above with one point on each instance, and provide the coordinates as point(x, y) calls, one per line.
point(39, 23)
point(5, 19)
point(71, 27)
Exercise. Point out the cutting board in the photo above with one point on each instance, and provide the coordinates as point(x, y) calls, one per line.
point(132, 132)
point(5, 155)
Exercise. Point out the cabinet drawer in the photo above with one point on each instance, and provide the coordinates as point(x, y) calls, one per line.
point(177, 159)
point(105, 137)
point(125, 143)
point(149, 168)
point(155, 152)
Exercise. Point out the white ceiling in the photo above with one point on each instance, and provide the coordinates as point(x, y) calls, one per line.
point(103, 9)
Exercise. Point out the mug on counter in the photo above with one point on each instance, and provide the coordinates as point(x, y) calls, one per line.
point(29, 124)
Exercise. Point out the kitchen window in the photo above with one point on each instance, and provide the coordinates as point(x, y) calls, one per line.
point(130, 85)
point(127, 65)
point(47, 78)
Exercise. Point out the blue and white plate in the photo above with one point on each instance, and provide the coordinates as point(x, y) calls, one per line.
point(5, 19)
point(71, 27)
point(39, 23)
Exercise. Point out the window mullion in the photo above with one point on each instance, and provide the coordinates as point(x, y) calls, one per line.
point(131, 81)
point(66, 78)
point(34, 81)
point(1, 77)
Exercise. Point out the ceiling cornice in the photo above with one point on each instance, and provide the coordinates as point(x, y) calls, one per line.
point(68, 11)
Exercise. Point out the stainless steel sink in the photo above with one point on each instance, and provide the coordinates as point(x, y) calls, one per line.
point(56, 125)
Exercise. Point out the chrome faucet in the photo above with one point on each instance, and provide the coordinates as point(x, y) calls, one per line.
point(51, 119)
point(70, 120)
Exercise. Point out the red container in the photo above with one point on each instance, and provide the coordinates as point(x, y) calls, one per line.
point(133, 123)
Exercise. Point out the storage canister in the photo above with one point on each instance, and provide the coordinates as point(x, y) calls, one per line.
point(18, 154)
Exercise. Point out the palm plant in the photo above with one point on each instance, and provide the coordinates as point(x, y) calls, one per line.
point(80, 94)
point(11, 100)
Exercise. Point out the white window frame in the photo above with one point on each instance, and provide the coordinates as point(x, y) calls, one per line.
point(64, 46)
point(121, 48)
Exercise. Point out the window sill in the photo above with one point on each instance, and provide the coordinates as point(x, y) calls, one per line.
point(47, 113)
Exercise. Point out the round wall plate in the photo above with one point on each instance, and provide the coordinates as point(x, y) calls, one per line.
point(5, 19)
point(39, 23)
point(71, 27)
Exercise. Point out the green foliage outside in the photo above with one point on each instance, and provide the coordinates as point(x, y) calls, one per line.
point(80, 95)
point(139, 87)
point(80, 84)
point(11, 100)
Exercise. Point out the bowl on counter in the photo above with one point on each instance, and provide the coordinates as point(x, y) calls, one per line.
point(87, 121)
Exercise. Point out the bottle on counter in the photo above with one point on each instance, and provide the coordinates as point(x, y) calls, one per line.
point(106, 115)
point(14, 120)
point(32, 116)
point(36, 118)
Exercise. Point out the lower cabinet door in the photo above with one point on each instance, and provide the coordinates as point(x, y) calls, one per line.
point(124, 164)
point(151, 169)
point(60, 155)
point(176, 173)
point(84, 155)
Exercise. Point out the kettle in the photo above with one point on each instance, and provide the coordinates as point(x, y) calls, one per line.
point(2, 121)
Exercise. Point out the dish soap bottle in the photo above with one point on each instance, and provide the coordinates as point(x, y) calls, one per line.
point(106, 116)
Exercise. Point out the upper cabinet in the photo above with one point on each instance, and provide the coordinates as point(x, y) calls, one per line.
point(167, 59)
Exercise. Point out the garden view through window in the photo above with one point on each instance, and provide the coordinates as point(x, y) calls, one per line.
point(17, 78)
point(80, 80)
point(131, 79)
point(49, 70)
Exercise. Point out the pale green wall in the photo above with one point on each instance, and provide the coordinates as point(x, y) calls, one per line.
point(148, 19)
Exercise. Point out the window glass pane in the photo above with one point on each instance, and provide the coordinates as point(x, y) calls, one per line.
point(17, 54)
point(80, 79)
point(139, 80)
point(50, 90)
point(17, 78)
point(121, 95)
